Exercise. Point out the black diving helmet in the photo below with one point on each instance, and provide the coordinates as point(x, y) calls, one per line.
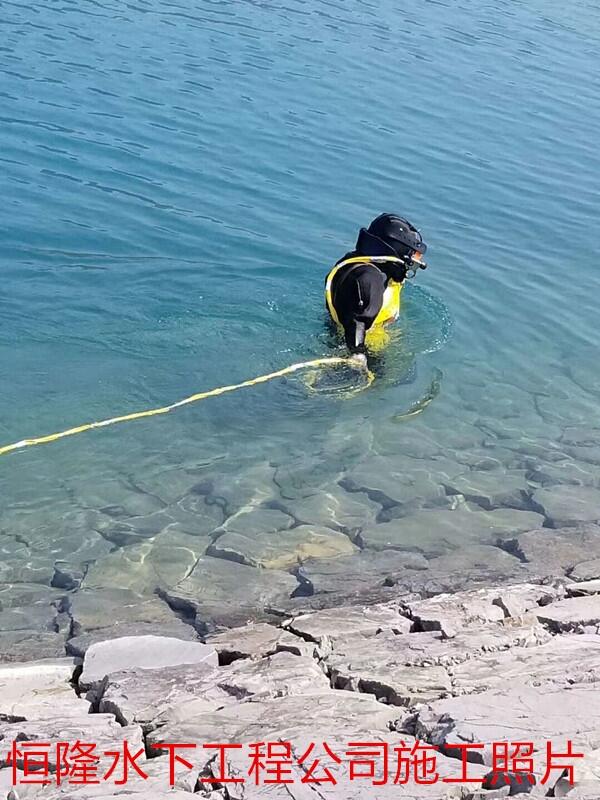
point(395, 236)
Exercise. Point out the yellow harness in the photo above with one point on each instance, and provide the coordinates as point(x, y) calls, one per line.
point(377, 337)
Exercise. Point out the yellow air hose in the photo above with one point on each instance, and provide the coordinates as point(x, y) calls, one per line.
point(153, 412)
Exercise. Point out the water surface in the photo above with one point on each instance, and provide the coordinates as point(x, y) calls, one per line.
point(177, 179)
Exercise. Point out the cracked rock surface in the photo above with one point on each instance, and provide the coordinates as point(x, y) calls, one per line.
point(476, 666)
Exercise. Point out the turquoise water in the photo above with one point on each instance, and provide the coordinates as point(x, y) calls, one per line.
point(177, 179)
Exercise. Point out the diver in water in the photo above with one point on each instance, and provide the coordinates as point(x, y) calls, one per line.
point(362, 291)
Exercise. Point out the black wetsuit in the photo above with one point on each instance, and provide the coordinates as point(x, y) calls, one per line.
point(357, 295)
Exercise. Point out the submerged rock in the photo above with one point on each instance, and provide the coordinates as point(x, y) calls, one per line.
point(222, 592)
point(437, 532)
point(156, 563)
point(554, 552)
point(565, 506)
point(283, 549)
point(361, 571)
point(492, 489)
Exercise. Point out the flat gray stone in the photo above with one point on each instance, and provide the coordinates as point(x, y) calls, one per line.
point(468, 566)
point(409, 668)
point(155, 563)
point(554, 552)
point(437, 532)
point(336, 763)
point(335, 508)
point(365, 667)
point(327, 626)
point(387, 481)
point(141, 652)
point(287, 718)
point(449, 613)
point(572, 614)
point(566, 506)
point(101, 729)
point(148, 698)
point(97, 609)
point(364, 570)
point(255, 640)
point(530, 714)
point(430, 648)
point(583, 587)
point(253, 520)
point(492, 489)
point(35, 690)
point(221, 592)
point(563, 660)
point(26, 645)
point(78, 645)
point(586, 570)
point(284, 549)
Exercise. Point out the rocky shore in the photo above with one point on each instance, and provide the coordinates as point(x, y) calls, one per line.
point(517, 662)
point(377, 598)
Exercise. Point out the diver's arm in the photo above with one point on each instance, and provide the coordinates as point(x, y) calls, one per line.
point(354, 333)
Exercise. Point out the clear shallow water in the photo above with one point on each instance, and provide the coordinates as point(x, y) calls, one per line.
point(177, 179)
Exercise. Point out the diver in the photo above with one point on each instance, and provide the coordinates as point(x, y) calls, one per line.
point(362, 291)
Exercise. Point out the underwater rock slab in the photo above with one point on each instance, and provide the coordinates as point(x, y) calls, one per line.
point(26, 645)
point(222, 592)
point(565, 505)
point(141, 652)
point(97, 609)
point(435, 532)
point(157, 563)
point(247, 485)
point(36, 689)
point(325, 627)
point(306, 475)
point(492, 489)
point(468, 566)
point(283, 549)
point(389, 482)
point(251, 521)
point(565, 472)
point(364, 570)
point(334, 507)
point(556, 551)
point(563, 660)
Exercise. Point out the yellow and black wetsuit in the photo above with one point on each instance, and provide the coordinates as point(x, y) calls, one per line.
point(362, 294)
